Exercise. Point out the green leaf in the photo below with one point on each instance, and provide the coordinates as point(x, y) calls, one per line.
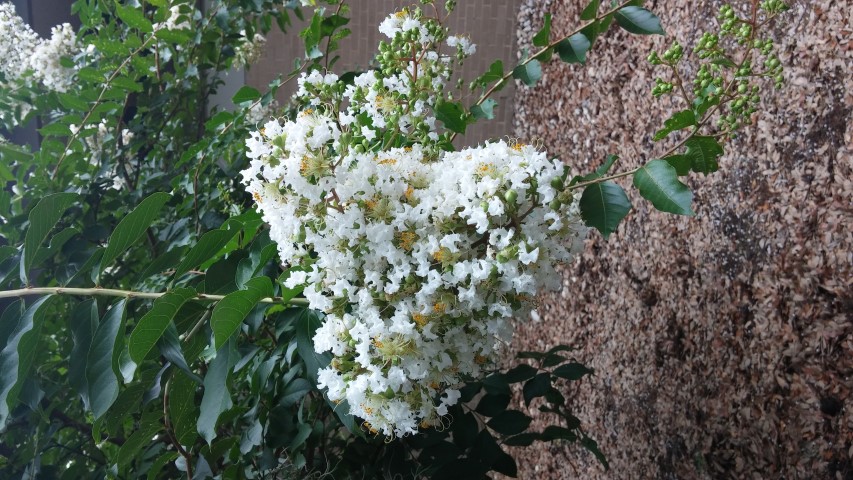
point(510, 422)
point(485, 110)
point(679, 120)
point(703, 153)
point(294, 392)
point(151, 326)
point(102, 363)
point(210, 244)
point(505, 464)
point(306, 324)
point(639, 21)
point(543, 36)
point(132, 227)
point(572, 371)
point(592, 446)
point(169, 346)
point(529, 73)
point(574, 48)
point(603, 206)
point(681, 163)
point(555, 432)
point(658, 183)
point(148, 427)
point(495, 73)
point(452, 115)
point(521, 440)
point(246, 94)
point(128, 84)
point(230, 312)
point(17, 356)
point(82, 323)
point(43, 218)
point(217, 398)
point(73, 102)
point(536, 387)
point(520, 373)
point(134, 18)
point(182, 408)
point(55, 129)
point(492, 405)
point(591, 10)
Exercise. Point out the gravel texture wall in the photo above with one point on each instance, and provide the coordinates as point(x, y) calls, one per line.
point(723, 343)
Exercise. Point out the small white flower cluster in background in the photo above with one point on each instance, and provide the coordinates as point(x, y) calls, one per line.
point(250, 50)
point(22, 51)
point(419, 257)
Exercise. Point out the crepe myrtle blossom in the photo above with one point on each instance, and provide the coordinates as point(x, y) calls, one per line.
point(418, 257)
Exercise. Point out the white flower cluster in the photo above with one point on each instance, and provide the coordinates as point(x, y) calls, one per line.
point(250, 50)
point(418, 257)
point(22, 51)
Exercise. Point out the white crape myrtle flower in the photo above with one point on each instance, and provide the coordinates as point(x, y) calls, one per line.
point(17, 43)
point(418, 257)
point(250, 50)
point(45, 59)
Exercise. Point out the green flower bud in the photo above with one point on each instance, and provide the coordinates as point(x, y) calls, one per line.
point(511, 196)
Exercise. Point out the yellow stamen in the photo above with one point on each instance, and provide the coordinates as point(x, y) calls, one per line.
point(407, 239)
point(517, 146)
point(387, 161)
point(439, 307)
point(480, 360)
point(420, 319)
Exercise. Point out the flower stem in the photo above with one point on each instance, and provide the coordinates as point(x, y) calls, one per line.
point(109, 292)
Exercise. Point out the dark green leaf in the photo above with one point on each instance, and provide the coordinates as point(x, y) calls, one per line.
point(681, 163)
point(73, 102)
point(592, 446)
point(210, 244)
point(217, 398)
point(493, 404)
point(703, 153)
point(82, 323)
point(17, 356)
point(56, 130)
point(572, 371)
point(682, 119)
point(133, 17)
point(658, 183)
point(510, 422)
point(154, 323)
point(485, 110)
point(42, 218)
point(495, 73)
point(128, 84)
point(132, 227)
point(182, 408)
point(230, 312)
point(554, 432)
point(148, 427)
point(536, 387)
point(552, 359)
point(102, 360)
point(520, 373)
point(521, 440)
point(169, 346)
point(638, 20)
point(591, 10)
point(294, 392)
point(603, 206)
point(453, 116)
point(306, 324)
point(542, 37)
point(246, 94)
point(574, 48)
point(496, 383)
point(529, 73)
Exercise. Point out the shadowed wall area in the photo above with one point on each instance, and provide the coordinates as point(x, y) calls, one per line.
point(491, 26)
point(723, 343)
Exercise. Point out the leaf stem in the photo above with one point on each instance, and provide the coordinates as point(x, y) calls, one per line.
point(110, 292)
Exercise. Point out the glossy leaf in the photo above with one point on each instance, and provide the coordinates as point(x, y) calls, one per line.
point(246, 95)
point(43, 218)
point(639, 21)
point(603, 205)
point(102, 360)
point(207, 247)
point(134, 18)
point(679, 120)
point(452, 115)
point(230, 312)
point(17, 355)
point(703, 153)
point(217, 398)
point(182, 408)
point(510, 422)
point(132, 227)
point(574, 48)
point(591, 10)
point(154, 323)
point(529, 73)
point(495, 73)
point(485, 110)
point(542, 37)
point(306, 324)
point(536, 387)
point(681, 163)
point(658, 183)
point(572, 371)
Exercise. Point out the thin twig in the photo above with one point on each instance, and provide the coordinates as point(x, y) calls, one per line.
point(110, 292)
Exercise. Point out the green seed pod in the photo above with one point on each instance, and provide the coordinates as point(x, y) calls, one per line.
point(511, 196)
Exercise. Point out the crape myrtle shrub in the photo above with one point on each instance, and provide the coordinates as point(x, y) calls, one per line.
point(317, 289)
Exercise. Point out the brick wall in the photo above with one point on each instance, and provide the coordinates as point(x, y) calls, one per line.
point(491, 25)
